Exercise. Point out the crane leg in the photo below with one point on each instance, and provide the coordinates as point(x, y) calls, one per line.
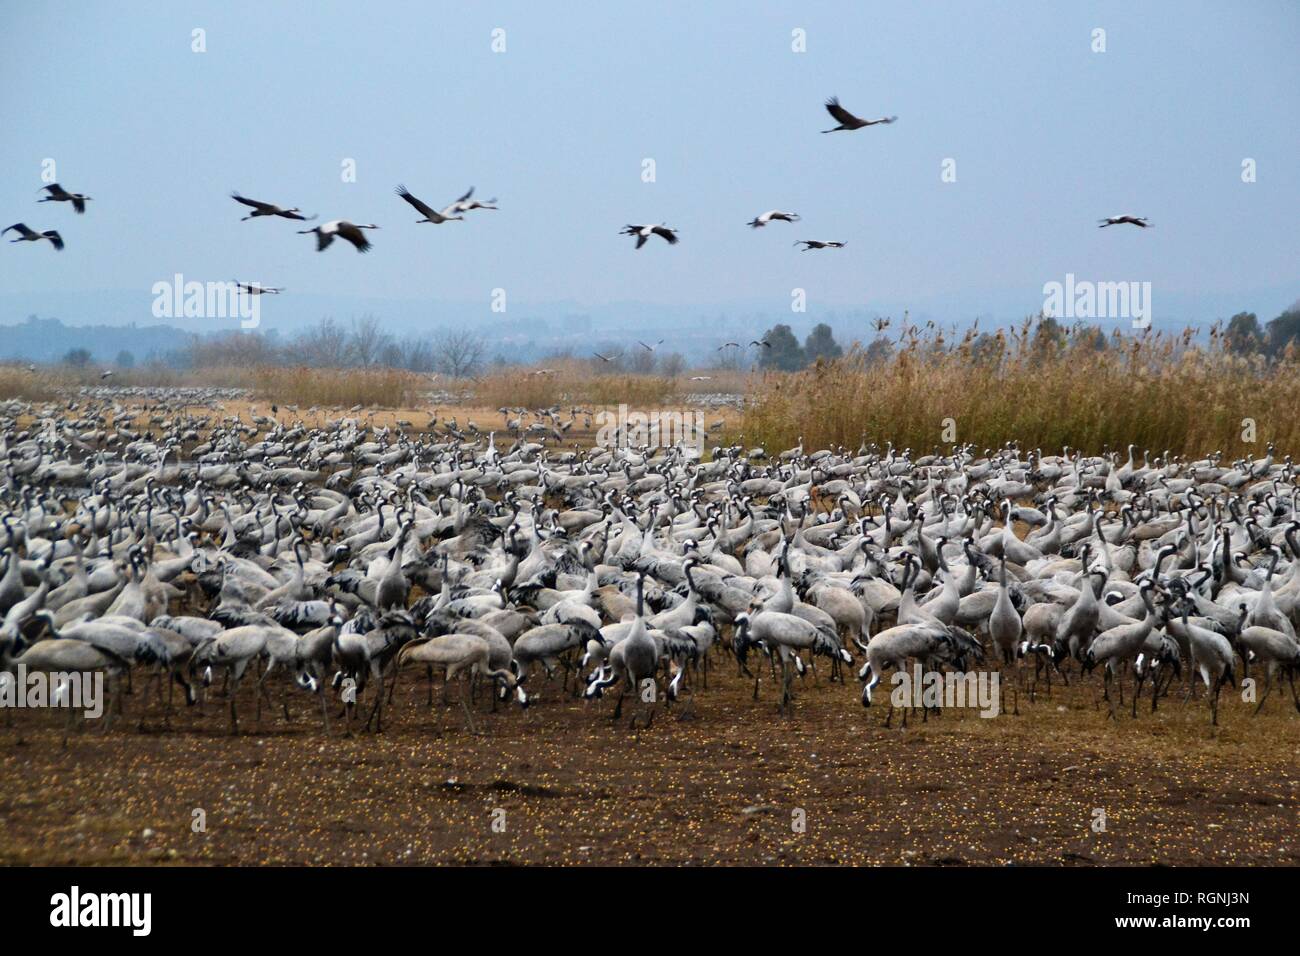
point(469, 718)
point(67, 727)
point(259, 693)
point(232, 686)
point(688, 709)
point(392, 685)
point(1268, 686)
point(324, 709)
point(376, 709)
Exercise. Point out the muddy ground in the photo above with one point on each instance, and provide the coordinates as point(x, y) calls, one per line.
point(562, 784)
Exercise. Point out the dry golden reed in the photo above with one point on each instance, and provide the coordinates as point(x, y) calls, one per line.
point(569, 383)
point(340, 388)
point(20, 383)
point(1157, 391)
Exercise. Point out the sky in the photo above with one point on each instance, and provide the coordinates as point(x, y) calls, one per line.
point(1046, 136)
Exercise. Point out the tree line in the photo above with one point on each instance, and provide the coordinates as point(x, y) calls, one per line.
point(361, 343)
point(1245, 336)
point(461, 353)
point(782, 351)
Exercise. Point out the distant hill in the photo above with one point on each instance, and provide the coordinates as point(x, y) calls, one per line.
point(48, 340)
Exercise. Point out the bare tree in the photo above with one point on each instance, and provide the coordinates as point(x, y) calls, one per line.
point(672, 364)
point(324, 345)
point(417, 354)
point(640, 361)
point(730, 358)
point(391, 355)
point(231, 349)
point(459, 353)
point(368, 341)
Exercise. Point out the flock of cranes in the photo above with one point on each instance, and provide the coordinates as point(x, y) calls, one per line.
point(165, 547)
point(53, 193)
point(355, 233)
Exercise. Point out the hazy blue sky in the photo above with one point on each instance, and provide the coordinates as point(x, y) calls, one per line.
point(1047, 137)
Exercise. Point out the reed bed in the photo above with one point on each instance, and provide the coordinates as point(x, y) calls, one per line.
point(571, 383)
point(20, 383)
point(1158, 391)
point(340, 388)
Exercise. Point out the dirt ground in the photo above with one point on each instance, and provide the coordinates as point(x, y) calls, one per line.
point(560, 783)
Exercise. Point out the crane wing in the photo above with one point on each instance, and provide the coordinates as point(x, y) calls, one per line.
point(840, 113)
point(355, 236)
point(428, 211)
point(251, 202)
